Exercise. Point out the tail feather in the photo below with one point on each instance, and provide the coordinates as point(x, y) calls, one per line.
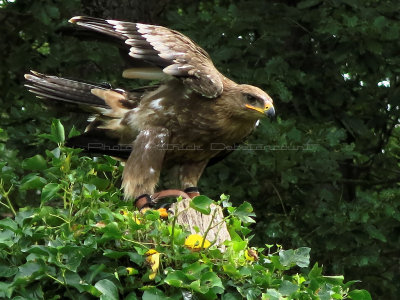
point(61, 89)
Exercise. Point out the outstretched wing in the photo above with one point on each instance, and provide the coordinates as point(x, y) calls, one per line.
point(168, 49)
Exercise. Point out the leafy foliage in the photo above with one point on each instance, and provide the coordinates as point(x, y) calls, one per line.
point(323, 175)
point(95, 245)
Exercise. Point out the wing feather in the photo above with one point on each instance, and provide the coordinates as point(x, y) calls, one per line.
point(168, 49)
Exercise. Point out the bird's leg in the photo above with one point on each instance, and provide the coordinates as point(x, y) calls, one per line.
point(142, 169)
point(189, 175)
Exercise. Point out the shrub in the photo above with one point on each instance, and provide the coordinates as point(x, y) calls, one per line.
point(83, 241)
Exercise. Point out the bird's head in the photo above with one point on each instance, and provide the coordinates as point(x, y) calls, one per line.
point(256, 102)
point(247, 102)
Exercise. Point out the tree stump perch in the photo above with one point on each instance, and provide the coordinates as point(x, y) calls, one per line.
point(198, 223)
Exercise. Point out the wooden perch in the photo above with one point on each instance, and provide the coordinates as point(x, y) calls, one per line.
point(212, 226)
point(192, 220)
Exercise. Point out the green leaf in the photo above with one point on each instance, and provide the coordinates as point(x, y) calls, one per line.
point(360, 295)
point(194, 270)
point(231, 296)
point(131, 296)
point(287, 288)
point(244, 212)
point(57, 131)
point(32, 181)
point(108, 289)
point(7, 237)
point(112, 231)
point(30, 269)
point(239, 245)
point(271, 294)
point(202, 204)
point(73, 132)
point(198, 287)
point(8, 224)
point(73, 256)
point(231, 270)
point(114, 254)
point(153, 294)
point(6, 289)
point(49, 192)
point(57, 134)
point(210, 279)
point(375, 233)
point(176, 279)
point(300, 257)
point(8, 271)
point(336, 280)
point(34, 163)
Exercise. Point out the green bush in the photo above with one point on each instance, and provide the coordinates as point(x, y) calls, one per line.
point(83, 241)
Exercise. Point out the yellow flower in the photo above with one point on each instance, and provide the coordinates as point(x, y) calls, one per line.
point(163, 213)
point(153, 259)
point(194, 242)
point(135, 218)
point(131, 271)
point(123, 212)
point(144, 209)
point(251, 254)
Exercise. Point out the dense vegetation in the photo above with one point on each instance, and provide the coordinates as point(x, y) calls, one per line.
point(96, 245)
point(327, 176)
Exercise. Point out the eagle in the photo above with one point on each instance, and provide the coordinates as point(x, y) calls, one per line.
point(191, 118)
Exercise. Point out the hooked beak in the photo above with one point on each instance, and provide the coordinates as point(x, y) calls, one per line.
point(268, 110)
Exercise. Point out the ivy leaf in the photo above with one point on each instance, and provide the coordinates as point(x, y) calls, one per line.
point(34, 163)
point(194, 270)
point(176, 279)
point(287, 288)
point(32, 181)
point(57, 133)
point(49, 192)
point(271, 294)
point(300, 257)
point(154, 294)
point(8, 224)
point(112, 231)
point(244, 212)
point(202, 204)
point(360, 295)
point(108, 289)
point(210, 279)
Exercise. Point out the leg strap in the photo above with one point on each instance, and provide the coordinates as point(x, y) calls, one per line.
point(143, 201)
point(192, 191)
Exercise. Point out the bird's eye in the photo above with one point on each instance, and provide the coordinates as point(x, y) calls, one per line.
point(252, 100)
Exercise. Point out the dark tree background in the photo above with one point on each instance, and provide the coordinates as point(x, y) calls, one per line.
point(328, 174)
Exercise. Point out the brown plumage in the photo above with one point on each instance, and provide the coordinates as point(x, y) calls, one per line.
point(179, 125)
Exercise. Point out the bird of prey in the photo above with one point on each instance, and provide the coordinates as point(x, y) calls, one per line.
point(174, 126)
